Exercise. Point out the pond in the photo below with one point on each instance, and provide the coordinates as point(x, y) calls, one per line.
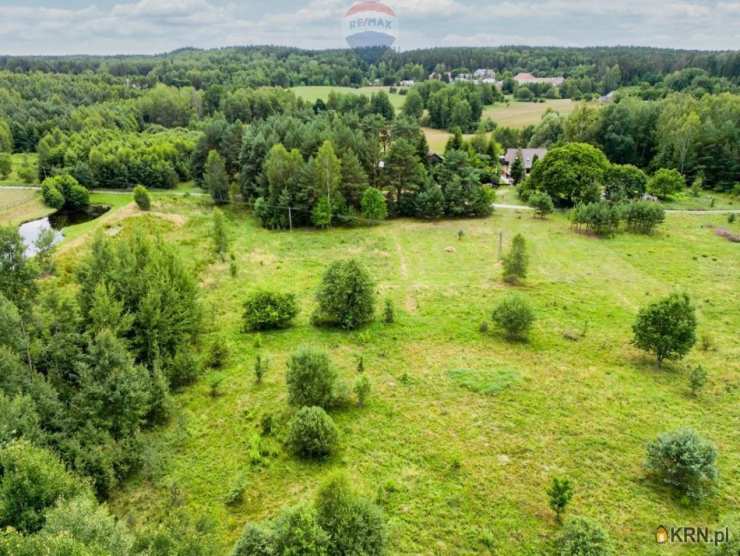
point(31, 231)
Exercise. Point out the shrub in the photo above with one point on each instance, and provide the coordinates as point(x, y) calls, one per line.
point(697, 379)
point(141, 197)
point(514, 316)
point(600, 218)
point(354, 525)
point(389, 313)
point(362, 389)
point(256, 540)
point(6, 165)
point(296, 531)
point(731, 218)
point(51, 195)
point(583, 537)
point(665, 182)
point(666, 327)
point(346, 298)
point(312, 433)
point(75, 195)
point(685, 461)
point(31, 481)
point(183, 370)
point(559, 493)
point(373, 205)
point(266, 310)
point(541, 203)
point(643, 216)
point(260, 368)
point(310, 378)
point(516, 261)
point(218, 353)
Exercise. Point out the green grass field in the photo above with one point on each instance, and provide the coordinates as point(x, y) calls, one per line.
point(521, 114)
point(314, 93)
point(463, 431)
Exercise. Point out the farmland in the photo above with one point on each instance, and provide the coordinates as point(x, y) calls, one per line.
point(313, 93)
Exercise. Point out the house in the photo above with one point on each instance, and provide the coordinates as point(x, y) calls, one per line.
point(527, 78)
point(484, 74)
point(528, 157)
point(406, 83)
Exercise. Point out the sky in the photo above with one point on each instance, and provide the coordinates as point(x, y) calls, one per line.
point(155, 26)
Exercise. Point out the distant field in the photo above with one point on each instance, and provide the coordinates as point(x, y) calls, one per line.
point(314, 93)
point(521, 114)
point(437, 139)
point(20, 205)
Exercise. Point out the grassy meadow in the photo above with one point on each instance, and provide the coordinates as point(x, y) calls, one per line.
point(21, 205)
point(517, 114)
point(463, 431)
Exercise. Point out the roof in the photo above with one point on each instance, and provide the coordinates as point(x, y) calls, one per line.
point(527, 155)
point(529, 78)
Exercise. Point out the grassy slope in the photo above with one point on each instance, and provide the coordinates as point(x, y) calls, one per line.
point(583, 410)
point(21, 205)
point(313, 93)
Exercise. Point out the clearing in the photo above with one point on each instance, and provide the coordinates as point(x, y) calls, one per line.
point(463, 431)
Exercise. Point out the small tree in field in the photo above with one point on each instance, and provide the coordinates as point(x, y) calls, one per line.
point(666, 182)
point(514, 316)
point(583, 537)
point(541, 203)
point(265, 310)
point(667, 328)
point(516, 261)
point(697, 380)
point(141, 197)
point(685, 461)
point(312, 433)
point(560, 493)
point(346, 297)
point(310, 378)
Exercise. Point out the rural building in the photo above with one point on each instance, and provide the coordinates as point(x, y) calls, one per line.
point(528, 157)
point(406, 83)
point(526, 78)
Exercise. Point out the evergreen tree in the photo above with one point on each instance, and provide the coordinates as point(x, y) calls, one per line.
point(354, 179)
point(516, 261)
point(216, 179)
point(414, 105)
point(517, 168)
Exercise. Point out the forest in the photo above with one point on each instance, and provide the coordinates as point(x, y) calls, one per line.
point(288, 295)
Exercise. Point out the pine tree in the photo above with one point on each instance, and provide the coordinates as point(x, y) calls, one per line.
point(517, 169)
point(516, 262)
point(354, 179)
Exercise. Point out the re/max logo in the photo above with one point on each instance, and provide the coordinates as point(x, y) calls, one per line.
point(686, 535)
point(377, 23)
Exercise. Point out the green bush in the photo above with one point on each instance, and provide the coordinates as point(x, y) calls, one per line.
point(184, 369)
point(31, 481)
point(51, 195)
point(346, 297)
point(256, 540)
point(362, 389)
point(265, 310)
point(354, 525)
point(541, 203)
point(600, 218)
point(583, 537)
point(665, 182)
point(312, 433)
point(666, 327)
point(514, 316)
point(310, 378)
point(141, 197)
point(624, 182)
point(516, 261)
point(75, 195)
point(6, 165)
point(218, 354)
point(643, 216)
point(685, 461)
